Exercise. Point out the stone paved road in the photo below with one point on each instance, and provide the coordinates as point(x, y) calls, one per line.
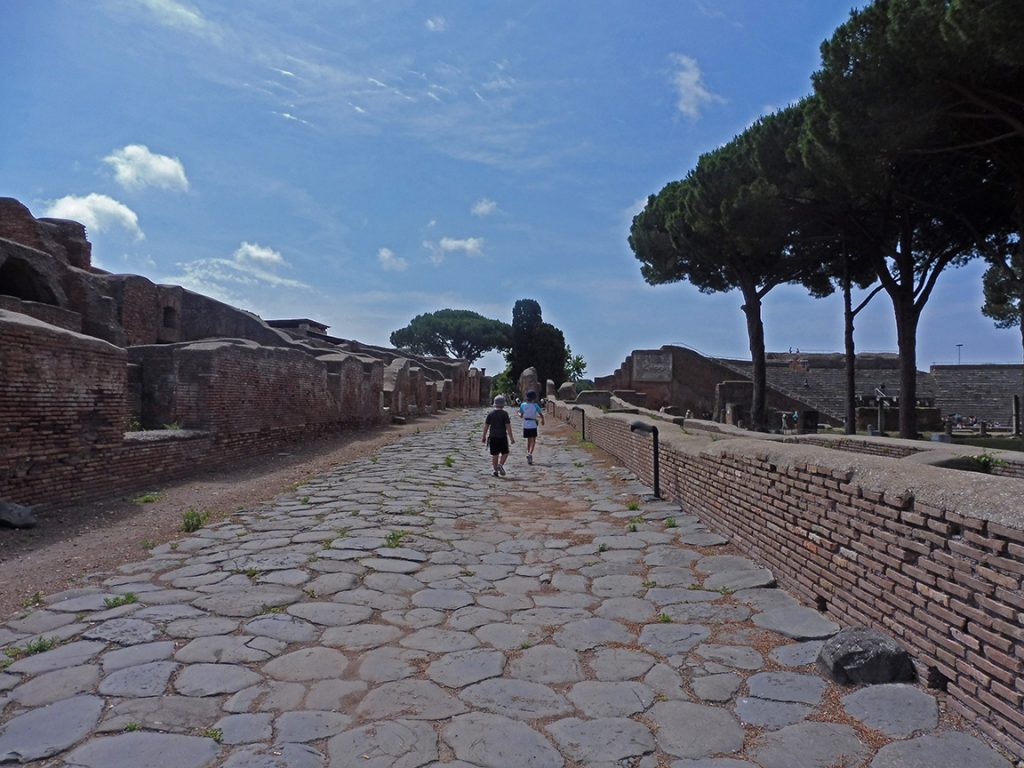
point(411, 610)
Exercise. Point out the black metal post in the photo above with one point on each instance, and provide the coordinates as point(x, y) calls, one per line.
point(583, 422)
point(643, 426)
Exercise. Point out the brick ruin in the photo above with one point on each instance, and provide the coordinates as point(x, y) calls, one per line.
point(91, 360)
point(686, 379)
point(904, 540)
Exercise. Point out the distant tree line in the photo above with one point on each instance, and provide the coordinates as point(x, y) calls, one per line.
point(528, 341)
point(906, 159)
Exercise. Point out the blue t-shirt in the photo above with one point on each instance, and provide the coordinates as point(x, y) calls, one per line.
point(531, 413)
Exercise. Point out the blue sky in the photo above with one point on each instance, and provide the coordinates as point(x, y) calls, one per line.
point(362, 162)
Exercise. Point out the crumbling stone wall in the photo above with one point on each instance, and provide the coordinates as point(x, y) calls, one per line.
point(933, 556)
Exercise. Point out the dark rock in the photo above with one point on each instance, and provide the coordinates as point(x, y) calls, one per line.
point(16, 515)
point(862, 655)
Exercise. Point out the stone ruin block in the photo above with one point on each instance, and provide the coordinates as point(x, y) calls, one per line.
point(599, 398)
point(396, 387)
point(566, 392)
point(528, 381)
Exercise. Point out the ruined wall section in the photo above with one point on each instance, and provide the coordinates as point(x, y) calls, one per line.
point(65, 399)
point(933, 556)
point(64, 240)
point(62, 407)
point(982, 391)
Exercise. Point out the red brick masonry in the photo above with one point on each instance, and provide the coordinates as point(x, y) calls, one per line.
point(933, 556)
point(63, 411)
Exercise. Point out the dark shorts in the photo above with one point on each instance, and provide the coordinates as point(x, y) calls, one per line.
point(531, 432)
point(498, 445)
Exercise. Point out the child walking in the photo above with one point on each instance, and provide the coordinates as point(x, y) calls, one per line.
point(531, 412)
point(499, 426)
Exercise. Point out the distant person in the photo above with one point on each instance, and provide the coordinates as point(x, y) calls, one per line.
point(532, 412)
point(498, 435)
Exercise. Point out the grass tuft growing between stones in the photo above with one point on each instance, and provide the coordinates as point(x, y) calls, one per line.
point(32, 647)
point(213, 733)
point(148, 498)
point(394, 539)
point(33, 600)
point(116, 602)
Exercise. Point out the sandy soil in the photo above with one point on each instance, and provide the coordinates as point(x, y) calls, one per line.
point(71, 543)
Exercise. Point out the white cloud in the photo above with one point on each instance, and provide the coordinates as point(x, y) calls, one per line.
point(171, 13)
point(253, 252)
point(436, 24)
point(483, 207)
point(691, 92)
point(136, 167)
point(96, 212)
point(391, 263)
point(471, 246)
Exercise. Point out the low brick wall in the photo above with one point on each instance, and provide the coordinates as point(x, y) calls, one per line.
point(64, 402)
point(933, 556)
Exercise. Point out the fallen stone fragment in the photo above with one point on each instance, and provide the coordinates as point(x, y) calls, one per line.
point(862, 655)
point(16, 515)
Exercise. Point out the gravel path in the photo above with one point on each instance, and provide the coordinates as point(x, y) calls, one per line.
point(407, 609)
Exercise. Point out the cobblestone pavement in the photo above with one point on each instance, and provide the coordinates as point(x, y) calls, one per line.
point(411, 610)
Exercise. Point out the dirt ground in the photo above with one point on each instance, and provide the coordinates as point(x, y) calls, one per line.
point(71, 543)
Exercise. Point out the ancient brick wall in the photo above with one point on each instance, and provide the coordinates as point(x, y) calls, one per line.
point(65, 400)
point(932, 556)
point(62, 405)
point(62, 318)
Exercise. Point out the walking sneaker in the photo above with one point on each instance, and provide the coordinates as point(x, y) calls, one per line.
point(529, 459)
point(501, 470)
point(495, 473)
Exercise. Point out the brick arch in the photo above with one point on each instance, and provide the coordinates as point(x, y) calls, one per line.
point(19, 279)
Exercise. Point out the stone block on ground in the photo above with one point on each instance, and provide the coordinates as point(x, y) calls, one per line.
point(16, 515)
point(863, 655)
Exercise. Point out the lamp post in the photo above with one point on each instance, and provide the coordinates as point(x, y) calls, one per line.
point(958, 346)
point(583, 422)
point(643, 426)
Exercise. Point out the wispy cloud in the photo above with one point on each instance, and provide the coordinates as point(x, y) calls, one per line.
point(483, 207)
point(389, 262)
point(136, 167)
point(436, 24)
point(97, 212)
point(293, 118)
point(171, 13)
point(477, 110)
point(240, 280)
point(691, 93)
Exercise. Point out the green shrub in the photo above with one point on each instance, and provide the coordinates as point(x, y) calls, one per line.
point(193, 519)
